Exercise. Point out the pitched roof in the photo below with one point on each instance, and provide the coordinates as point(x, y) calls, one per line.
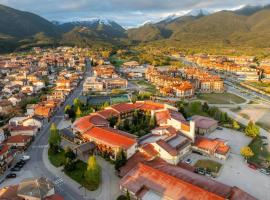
point(107, 113)
point(203, 122)
point(85, 123)
point(3, 149)
point(167, 186)
point(111, 137)
point(168, 148)
point(18, 139)
point(124, 107)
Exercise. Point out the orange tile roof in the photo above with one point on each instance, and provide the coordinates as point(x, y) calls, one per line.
point(124, 107)
point(149, 150)
point(4, 149)
point(43, 111)
point(143, 176)
point(111, 137)
point(107, 113)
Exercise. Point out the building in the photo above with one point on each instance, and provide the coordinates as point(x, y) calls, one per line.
point(204, 125)
point(23, 130)
point(19, 141)
point(92, 84)
point(212, 147)
point(157, 179)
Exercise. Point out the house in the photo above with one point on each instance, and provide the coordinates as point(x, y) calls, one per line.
point(92, 84)
point(5, 106)
point(30, 109)
point(212, 147)
point(43, 111)
point(35, 189)
point(23, 130)
point(6, 157)
point(204, 125)
point(19, 141)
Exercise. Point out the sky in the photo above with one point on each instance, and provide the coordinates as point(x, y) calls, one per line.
point(128, 13)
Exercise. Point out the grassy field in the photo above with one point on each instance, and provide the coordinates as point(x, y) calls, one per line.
point(261, 154)
point(58, 159)
point(261, 86)
point(211, 165)
point(224, 98)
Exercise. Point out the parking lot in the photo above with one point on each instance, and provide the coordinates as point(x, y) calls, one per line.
point(235, 139)
point(235, 171)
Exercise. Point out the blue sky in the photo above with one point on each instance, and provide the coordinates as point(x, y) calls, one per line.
point(128, 13)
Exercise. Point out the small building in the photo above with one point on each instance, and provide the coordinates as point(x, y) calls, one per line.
point(212, 147)
point(23, 130)
point(19, 141)
point(204, 125)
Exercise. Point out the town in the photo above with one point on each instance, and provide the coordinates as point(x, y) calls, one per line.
point(76, 123)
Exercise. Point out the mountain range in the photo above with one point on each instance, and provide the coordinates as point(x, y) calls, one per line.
point(248, 26)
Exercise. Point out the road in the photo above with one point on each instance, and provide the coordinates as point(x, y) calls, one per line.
point(36, 164)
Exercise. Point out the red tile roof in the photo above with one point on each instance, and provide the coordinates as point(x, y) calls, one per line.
point(150, 105)
point(85, 123)
point(111, 137)
point(124, 107)
point(149, 150)
point(107, 113)
point(22, 128)
point(18, 139)
point(212, 145)
point(144, 176)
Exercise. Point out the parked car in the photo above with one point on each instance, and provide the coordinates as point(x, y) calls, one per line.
point(264, 171)
point(21, 162)
point(25, 157)
point(188, 161)
point(200, 171)
point(219, 128)
point(208, 173)
point(252, 166)
point(265, 143)
point(19, 165)
point(15, 169)
point(11, 175)
point(263, 137)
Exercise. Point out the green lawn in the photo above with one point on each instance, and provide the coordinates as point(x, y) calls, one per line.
point(211, 165)
point(58, 159)
point(78, 176)
point(223, 98)
point(261, 154)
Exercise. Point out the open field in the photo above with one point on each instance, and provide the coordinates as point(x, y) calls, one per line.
point(221, 98)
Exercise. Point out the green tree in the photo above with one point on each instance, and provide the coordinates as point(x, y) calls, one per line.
point(205, 107)
point(235, 125)
point(92, 173)
point(252, 130)
point(121, 160)
point(78, 113)
point(128, 195)
point(54, 139)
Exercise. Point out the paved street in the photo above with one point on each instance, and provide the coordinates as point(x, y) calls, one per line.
point(36, 166)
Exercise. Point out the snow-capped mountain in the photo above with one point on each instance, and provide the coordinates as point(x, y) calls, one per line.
point(198, 12)
point(102, 26)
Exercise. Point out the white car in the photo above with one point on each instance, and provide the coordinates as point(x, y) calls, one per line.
point(25, 157)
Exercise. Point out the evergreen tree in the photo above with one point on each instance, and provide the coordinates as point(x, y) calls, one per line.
point(78, 113)
point(54, 139)
point(128, 195)
point(67, 108)
point(92, 173)
point(205, 107)
point(152, 122)
point(77, 103)
point(121, 160)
